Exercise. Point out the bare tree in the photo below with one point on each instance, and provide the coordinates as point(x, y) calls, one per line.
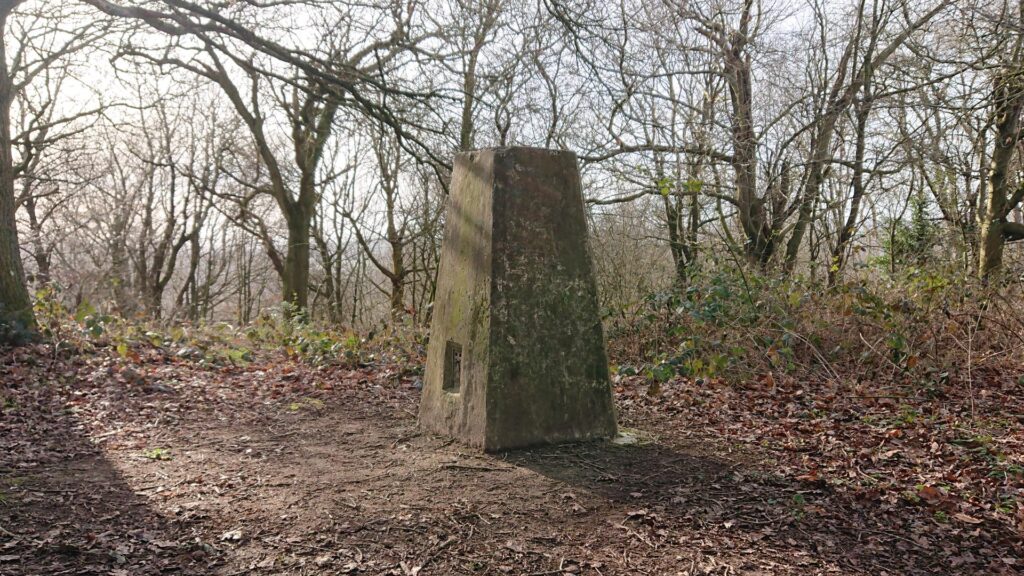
point(46, 36)
point(353, 54)
point(400, 219)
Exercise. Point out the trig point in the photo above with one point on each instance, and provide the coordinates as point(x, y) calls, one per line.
point(516, 355)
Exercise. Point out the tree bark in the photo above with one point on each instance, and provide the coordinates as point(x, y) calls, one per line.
point(295, 278)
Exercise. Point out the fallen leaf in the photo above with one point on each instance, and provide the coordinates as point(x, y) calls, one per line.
point(968, 519)
point(930, 494)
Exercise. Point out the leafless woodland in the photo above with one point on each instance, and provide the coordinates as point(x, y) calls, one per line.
point(209, 161)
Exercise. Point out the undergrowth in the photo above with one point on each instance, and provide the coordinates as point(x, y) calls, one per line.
point(922, 330)
point(86, 329)
point(925, 330)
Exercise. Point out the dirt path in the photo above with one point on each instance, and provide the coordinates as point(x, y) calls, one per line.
point(160, 467)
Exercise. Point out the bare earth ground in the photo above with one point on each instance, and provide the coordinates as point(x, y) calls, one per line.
point(156, 465)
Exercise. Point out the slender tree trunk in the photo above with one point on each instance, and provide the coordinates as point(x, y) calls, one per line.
point(840, 251)
point(815, 178)
point(679, 236)
point(820, 157)
point(194, 258)
point(154, 301)
point(675, 243)
point(40, 252)
point(327, 263)
point(469, 93)
point(398, 272)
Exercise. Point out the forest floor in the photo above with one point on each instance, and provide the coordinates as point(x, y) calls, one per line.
point(149, 463)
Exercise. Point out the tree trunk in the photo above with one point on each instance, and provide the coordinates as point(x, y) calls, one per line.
point(15, 303)
point(327, 264)
point(397, 298)
point(469, 93)
point(1008, 102)
point(398, 272)
point(675, 244)
point(760, 244)
point(40, 252)
point(820, 148)
point(840, 251)
point(681, 239)
point(295, 277)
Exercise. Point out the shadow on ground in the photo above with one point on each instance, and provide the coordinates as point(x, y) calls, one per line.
point(64, 508)
point(684, 497)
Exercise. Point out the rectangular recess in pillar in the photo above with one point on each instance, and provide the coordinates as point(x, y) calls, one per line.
point(452, 378)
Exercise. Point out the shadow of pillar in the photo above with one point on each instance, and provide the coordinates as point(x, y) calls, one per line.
point(669, 491)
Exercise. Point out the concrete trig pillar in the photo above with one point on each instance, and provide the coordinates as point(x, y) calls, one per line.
point(516, 355)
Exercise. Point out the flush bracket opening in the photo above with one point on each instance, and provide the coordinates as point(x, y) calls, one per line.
point(452, 380)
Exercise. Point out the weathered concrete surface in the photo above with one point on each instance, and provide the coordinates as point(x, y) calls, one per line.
point(516, 295)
